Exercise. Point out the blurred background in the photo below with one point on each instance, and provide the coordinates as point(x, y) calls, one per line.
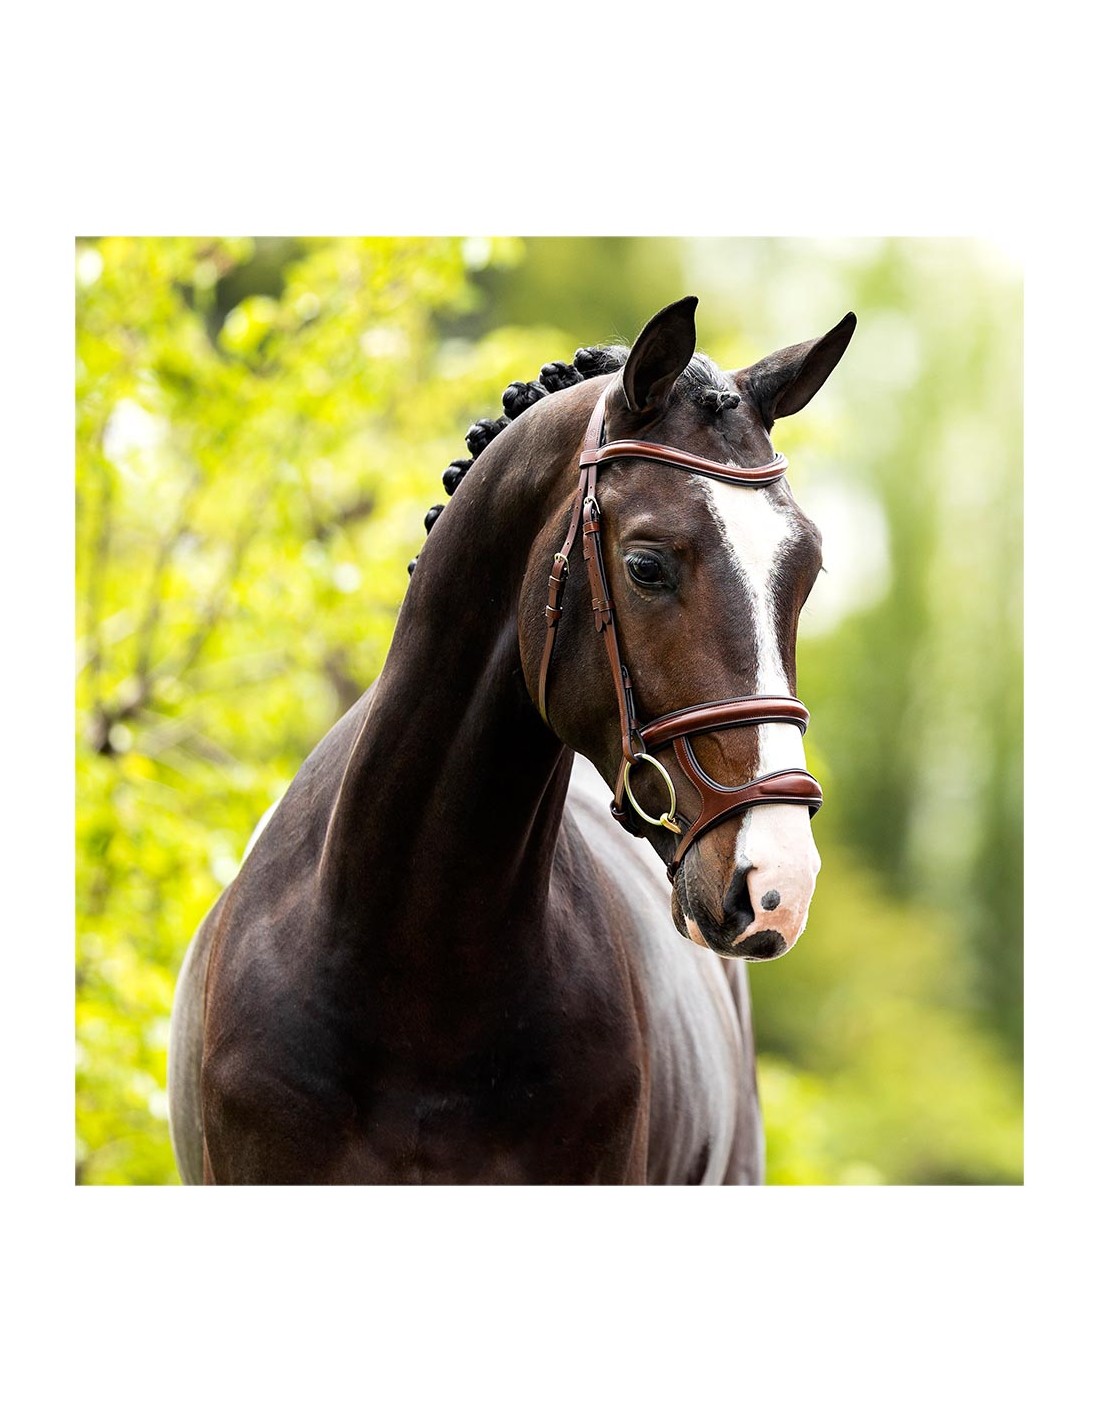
point(261, 425)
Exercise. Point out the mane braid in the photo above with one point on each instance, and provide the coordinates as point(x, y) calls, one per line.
point(702, 382)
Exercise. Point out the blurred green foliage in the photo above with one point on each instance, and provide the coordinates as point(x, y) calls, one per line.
point(260, 427)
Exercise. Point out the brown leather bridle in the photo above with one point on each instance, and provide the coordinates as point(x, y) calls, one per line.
point(718, 802)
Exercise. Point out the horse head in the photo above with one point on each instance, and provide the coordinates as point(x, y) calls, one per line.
point(703, 583)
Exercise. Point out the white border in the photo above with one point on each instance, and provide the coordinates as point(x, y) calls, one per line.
point(824, 120)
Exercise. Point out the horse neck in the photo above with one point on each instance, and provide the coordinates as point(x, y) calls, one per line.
point(448, 812)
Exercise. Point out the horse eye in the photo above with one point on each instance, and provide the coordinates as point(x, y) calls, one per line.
point(646, 569)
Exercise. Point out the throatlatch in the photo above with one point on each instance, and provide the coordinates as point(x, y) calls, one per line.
point(718, 802)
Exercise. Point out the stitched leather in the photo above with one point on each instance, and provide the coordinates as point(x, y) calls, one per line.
point(721, 715)
point(720, 802)
point(755, 478)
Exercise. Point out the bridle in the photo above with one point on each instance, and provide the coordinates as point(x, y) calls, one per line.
point(718, 802)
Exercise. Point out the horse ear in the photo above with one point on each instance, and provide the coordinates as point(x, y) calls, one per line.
point(660, 355)
point(782, 383)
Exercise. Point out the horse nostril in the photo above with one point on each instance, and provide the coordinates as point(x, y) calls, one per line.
point(770, 900)
point(737, 904)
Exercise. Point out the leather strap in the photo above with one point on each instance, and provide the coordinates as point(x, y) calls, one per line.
point(721, 715)
point(559, 571)
point(720, 802)
point(753, 478)
point(604, 613)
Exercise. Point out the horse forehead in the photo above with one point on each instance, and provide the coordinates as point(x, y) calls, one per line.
point(753, 528)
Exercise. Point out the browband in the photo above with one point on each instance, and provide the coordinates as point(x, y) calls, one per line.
point(752, 478)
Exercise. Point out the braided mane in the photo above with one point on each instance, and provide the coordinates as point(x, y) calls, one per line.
point(703, 381)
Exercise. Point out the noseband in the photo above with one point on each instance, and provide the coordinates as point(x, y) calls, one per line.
point(718, 802)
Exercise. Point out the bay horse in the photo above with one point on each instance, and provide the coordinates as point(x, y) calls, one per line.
point(442, 961)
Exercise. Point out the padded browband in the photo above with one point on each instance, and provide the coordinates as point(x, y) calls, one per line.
point(753, 478)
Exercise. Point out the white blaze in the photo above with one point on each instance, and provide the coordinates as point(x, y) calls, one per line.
point(775, 842)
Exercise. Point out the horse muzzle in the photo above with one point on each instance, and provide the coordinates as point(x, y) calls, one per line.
point(744, 890)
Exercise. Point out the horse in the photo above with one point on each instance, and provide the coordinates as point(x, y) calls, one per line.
point(442, 961)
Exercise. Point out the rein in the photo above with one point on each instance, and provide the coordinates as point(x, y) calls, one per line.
point(676, 728)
